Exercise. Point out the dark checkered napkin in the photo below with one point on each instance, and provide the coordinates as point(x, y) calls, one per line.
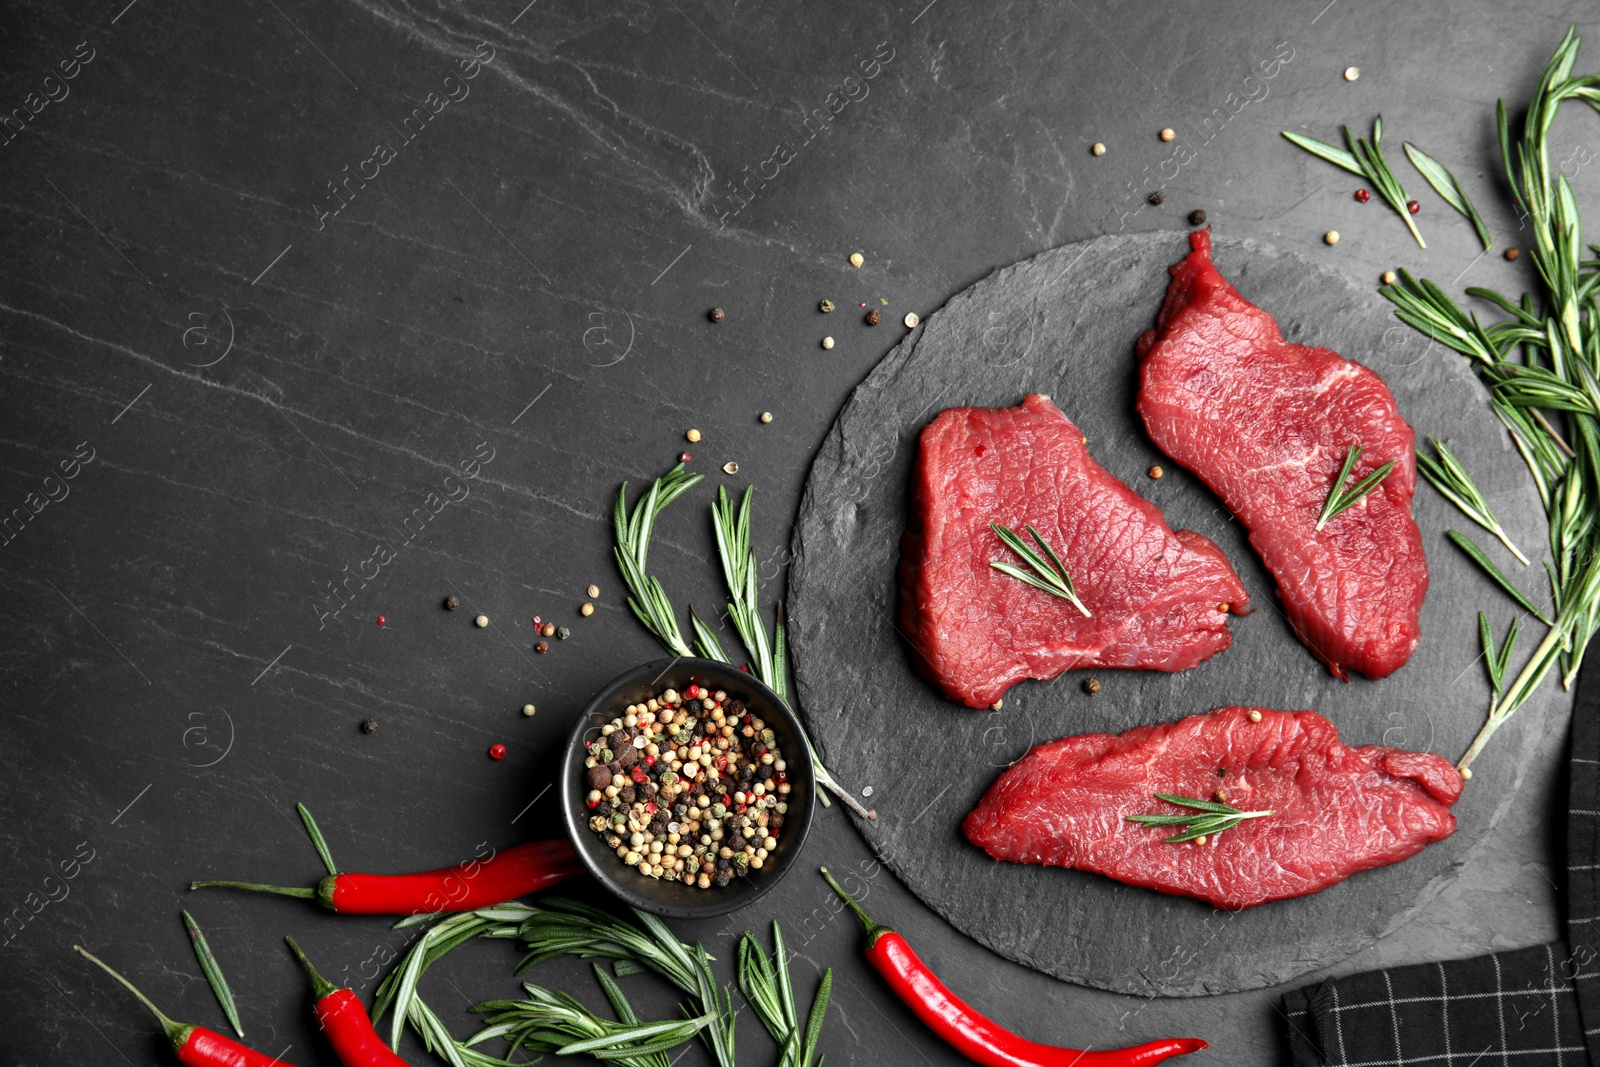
point(1583, 854)
point(1537, 1005)
point(1509, 1004)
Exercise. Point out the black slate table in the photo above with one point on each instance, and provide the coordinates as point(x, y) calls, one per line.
point(279, 273)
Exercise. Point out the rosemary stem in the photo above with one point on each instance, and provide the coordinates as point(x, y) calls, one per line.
point(826, 781)
point(1513, 549)
point(1405, 216)
point(1556, 437)
point(1537, 669)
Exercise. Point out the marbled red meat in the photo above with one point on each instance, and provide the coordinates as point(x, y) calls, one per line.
point(1266, 424)
point(1338, 810)
point(1159, 598)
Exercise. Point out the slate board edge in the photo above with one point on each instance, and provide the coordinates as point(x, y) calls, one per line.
point(833, 451)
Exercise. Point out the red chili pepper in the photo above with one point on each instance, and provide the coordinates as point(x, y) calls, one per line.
point(195, 1045)
point(468, 886)
point(345, 1021)
point(980, 1039)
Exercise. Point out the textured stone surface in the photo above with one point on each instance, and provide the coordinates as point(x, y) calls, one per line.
point(555, 239)
point(1064, 323)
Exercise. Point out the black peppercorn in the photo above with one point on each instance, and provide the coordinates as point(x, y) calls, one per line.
point(368, 725)
point(873, 318)
point(735, 708)
point(1197, 217)
point(717, 315)
point(452, 602)
point(627, 795)
point(1158, 197)
point(724, 877)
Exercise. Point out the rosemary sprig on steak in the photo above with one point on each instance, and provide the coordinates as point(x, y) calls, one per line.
point(1214, 818)
point(1541, 364)
point(1342, 499)
point(1047, 574)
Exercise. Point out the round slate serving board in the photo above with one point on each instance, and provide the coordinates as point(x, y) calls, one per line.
point(1065, 323)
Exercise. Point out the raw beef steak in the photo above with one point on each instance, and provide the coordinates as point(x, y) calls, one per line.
point(1337, 810)
point(1266, 424)
point(1158, 599)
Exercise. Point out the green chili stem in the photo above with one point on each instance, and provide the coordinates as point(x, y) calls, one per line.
point(177, 1032)
point(257, 887)
point(320, 986)
point(874, 930)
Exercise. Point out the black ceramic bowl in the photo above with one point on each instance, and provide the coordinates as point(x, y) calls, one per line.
point(671, 898)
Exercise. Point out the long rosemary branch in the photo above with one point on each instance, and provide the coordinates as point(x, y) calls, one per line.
point(650, 604)
point(1554, 384)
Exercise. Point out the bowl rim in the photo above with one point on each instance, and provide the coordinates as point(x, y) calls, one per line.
point(576, 815)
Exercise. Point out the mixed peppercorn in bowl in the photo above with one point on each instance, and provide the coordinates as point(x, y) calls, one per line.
point(690, 787)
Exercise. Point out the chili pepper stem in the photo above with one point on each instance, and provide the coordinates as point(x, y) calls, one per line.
point(874, 930)
point(257, 887)
point(177, 1032)
point(320, 986)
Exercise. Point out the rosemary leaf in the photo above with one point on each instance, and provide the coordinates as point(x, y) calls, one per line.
point(1490, 658)
point(1198, 805)
point(317, 840)
point(1444, 183)
point(1478, 556)
point(814, 1020)
point(1332, 153)
point(213, 973)
point(1497, 660)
